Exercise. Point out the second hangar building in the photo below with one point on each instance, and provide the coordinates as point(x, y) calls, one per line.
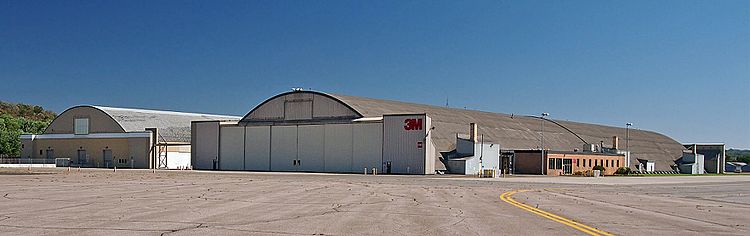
point(319, 132)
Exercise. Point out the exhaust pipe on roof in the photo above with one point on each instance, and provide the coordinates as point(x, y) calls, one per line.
point(615, 142)
point(473, 132)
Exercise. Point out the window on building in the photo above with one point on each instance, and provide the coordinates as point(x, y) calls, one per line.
point(122, 161)
point(82, 126)
point(590, 163)
point(578, 162)
point(551, 164)
point(558, 163)
point(606, 163)
point(618, 163)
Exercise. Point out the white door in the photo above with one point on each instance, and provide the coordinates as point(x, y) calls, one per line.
point(311, 148)
point(284, 148)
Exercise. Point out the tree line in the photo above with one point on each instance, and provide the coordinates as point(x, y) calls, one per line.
point(17, 119)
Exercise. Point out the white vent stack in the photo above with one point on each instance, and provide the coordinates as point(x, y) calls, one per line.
point(473, 132)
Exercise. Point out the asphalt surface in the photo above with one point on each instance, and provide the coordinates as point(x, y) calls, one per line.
point(138, 202)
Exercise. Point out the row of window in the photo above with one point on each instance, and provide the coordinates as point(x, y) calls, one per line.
point(51, 154)
point(597, 162)
point(557, 163)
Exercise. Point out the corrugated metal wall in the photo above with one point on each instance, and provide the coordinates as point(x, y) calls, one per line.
point(338, 147)
point(311, 148)
point(367, 146)
point(402, 135)
point(258, 148)
point(301, 106)
point(204, 145)
point(283, 148)
point(231, 148)
point(343, 148)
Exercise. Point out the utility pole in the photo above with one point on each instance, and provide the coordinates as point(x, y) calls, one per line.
point(542, 152)
point(627, 141)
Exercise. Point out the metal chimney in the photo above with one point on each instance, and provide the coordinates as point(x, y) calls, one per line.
point(473, 132)
point(615, 142)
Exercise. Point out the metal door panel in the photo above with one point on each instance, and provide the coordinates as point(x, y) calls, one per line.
point(283, 148)
point(311, 148)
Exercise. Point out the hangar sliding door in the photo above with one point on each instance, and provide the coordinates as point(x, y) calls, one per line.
point(367, 148)
point(283, 148)
point(231, 155)
point(258, 148)
point(311, 148)
point(338, 148)
point(204, 144)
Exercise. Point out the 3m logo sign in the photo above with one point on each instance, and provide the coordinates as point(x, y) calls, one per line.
point(413, 124)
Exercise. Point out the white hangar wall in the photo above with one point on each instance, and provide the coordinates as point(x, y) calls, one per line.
point(205, 144)
point(407, 146)
point(337, 148)
point(315, 132)
point(257, 148)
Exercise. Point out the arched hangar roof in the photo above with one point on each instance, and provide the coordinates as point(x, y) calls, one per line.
point(172, 126)
point(510, 131)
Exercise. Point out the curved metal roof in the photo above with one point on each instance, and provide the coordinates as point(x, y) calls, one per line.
point(523, 132)
point(173, 126)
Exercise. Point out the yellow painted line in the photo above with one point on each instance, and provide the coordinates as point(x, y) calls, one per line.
point(506, 197)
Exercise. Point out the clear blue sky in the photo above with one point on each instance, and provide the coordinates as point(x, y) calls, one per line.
point(681, 68)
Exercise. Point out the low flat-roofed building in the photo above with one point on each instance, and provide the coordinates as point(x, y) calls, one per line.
point(556, 163)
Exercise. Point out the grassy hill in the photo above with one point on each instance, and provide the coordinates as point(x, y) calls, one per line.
point(16, 119)
point(738, 155)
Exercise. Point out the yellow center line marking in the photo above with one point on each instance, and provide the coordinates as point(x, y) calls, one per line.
point(506, 197)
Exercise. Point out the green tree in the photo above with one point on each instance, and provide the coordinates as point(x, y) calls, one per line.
point(17, 119)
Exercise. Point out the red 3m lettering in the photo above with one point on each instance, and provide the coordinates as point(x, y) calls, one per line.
point(413, 124)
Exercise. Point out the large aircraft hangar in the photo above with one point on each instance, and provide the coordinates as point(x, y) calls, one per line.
point(101, 136)
point(319, 132)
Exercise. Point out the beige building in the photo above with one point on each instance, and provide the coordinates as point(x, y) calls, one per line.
point(98, 136)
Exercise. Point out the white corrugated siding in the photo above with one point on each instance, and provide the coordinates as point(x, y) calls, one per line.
point(400, 147)
point(231, 148)
point(338, 148)
point(283, 148)
point(367, 148)
point(325, 107)
point(258, 148)
point(205, 144)
point(311, 148)
point(271, 110)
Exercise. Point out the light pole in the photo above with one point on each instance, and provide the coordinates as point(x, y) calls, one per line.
point(543, 115)
point(627, 141)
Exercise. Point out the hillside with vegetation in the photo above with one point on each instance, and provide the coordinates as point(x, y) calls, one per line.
point(738, 155)
point(16, 119)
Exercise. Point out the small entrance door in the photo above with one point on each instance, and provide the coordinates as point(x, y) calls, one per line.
point(567, 166)
point(82, 160)
point(107, 156)
point(505, 163)
point(50, 153)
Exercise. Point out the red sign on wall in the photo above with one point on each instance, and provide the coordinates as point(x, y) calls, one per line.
point(413, 124)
